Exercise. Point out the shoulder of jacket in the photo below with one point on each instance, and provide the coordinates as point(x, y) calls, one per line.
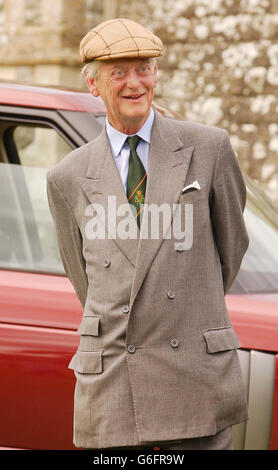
point(201, 136)
point(195, 128)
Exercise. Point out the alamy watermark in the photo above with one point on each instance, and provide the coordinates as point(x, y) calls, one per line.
point(164, 220)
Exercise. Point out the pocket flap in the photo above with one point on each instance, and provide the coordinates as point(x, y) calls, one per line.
point(192, 195)
point(87, 362)
point(89, 326)
point(221, 339)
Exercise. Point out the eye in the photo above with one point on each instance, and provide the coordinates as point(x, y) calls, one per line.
point(144, 69)
point(119, 73)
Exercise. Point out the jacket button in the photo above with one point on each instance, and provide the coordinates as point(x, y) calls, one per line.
point(171, 294)
point(107, 263)
point(131, 349)
point(174, 343)
point(125, 309)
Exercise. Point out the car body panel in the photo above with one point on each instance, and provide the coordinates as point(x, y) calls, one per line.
point(37, 399)
point(255, 319)
point(260, 400)
point(49, 98)
point(43, 300)
point(274, 425)
point(39, 318)
point(50, 301)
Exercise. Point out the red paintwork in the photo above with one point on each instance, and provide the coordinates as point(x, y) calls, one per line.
point(48, 98)
point(38, 300)
point(55, 304)
point(36, 404)
point(11, 448)
point(255, 319)
point(274, 430)
point(39, 315)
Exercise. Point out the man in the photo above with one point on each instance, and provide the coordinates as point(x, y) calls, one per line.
point(157, 362)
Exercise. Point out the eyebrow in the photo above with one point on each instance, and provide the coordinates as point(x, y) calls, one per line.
point(143, 61)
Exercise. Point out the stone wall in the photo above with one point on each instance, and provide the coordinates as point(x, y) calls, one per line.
point(220, 65)
point(39, 39)
point(221, 68)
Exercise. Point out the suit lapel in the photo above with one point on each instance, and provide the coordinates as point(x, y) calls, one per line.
point(169, 160)
point(102, 185)
point(168, 165)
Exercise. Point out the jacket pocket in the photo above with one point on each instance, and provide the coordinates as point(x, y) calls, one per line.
point(221, 339)
point(87, 362)
point(89, 326)
point(189, 197)
point(88, 329)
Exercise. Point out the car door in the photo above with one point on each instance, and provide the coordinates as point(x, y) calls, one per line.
point(39, 311)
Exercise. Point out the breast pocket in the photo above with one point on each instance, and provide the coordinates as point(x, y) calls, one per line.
point(189, 197)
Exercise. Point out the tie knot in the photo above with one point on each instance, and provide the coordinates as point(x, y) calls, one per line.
point(133, 142)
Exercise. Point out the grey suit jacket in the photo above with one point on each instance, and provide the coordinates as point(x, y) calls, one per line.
point(157, 358)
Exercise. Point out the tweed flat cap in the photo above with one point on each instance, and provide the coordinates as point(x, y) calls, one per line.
point(119, 38)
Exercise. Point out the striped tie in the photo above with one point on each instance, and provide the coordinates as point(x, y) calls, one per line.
point(136, 179)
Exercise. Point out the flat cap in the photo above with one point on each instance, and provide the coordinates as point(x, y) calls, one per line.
point(119, 38)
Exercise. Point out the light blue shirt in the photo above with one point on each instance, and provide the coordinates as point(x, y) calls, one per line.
point(120, 148)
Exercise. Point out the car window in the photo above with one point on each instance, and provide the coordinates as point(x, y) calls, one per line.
point(39, 146)
point(259, 268)
point(27, 234)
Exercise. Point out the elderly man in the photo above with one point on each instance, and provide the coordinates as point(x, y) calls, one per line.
point(157, 362)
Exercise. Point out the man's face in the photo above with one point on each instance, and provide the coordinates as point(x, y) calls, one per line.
point(127, 89)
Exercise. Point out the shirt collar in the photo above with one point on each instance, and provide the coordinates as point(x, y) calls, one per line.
point(117, 138)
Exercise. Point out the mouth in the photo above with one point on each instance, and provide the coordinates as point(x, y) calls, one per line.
point(134, 98)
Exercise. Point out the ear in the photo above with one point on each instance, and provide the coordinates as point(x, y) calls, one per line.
point(155, 75)
point(91, 84)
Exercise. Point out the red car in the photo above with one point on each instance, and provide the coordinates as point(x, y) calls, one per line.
point(39, 311)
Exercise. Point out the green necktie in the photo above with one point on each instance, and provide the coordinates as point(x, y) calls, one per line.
point(136, 179)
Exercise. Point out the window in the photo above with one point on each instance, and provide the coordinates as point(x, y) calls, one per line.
point(39, 146)
point(259, 268)
point(27, 233)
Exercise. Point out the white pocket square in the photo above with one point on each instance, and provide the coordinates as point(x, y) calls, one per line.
point(194, 185)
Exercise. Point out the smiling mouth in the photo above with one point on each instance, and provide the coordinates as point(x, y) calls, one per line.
point(134, 97)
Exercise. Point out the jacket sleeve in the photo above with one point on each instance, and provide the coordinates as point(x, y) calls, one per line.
point(69, 239)
point(228, 198)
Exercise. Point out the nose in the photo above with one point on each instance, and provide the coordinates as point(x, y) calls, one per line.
point(132, 79)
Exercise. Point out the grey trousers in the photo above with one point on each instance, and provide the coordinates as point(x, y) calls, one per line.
point(220, 441)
